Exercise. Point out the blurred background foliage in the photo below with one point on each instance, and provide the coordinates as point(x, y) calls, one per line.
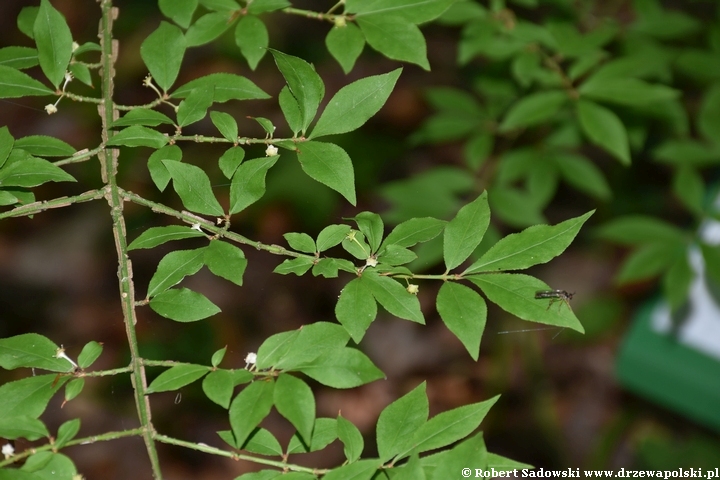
point(444, 136)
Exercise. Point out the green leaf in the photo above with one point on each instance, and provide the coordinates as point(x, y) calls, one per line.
point(87, 47)
point(220, 5)
point(649, 261)
point(399, 421)
point(464, 313)
point(360, 470)
point(415, 11)
point(138, 136)
point(263, 442)
point(689, 187)
point(159, 174)
point(312, 342)
point(356, 308)
point(248, 183)
point(154, 236)
point(295, 401)
point(218, 386)
point(708, 118)
point(73, 388)
point(393, 297)
point(345, 368)
point(327, 267)
point(183, 305)
point(218, 356)
point(15, 84)
point(298, 266)
point(31, 172)
point(266, 124)
point(414, 231)
point(631, 92)
point(274, 348)
point(90, 352)
point(44, 146)
point(225, 86)
point(302, 242)
point(304, 83)
point(345, 43)
point(687, 152)
point(179, 11)
point(533, 246)
point(193, 186)
point(6, 144)
point(163, 51)
point(48, 465)
point(249, 408)
point(26, 20)
point(173, 268)
point(351, 438)
point(676, 282)
point(261, 6)
point(515, 293)
point(207, 28)
point(470, 453)
point(29, 396)
point(711, 257)
point(371, 225)
point(501, 463)
point(54, 42)
point(330, 165)
point(324, 433)
point(534, 109)
point(396, 255)
point(291, 110)
point(354, 104)
point(142, 116)
point(227, 126)
point(252, 37)
point(465, 232)
point(22, 426)
point(395, 38)
point(67, 431)
point(450, 426)
point(81, 72)
point(176, 377)
point(231, 160)
point(194, 107)
point(639, 229)
point(604, 129)
point(583, 174)
point(411, 470)
point(226, 261)
point(18, 57)
point(33, 351)
point(330, 236)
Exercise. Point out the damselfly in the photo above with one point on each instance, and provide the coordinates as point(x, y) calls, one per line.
point(555, 296)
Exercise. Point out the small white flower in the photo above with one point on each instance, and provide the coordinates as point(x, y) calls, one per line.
point(60, 353)
point(271, 150)
point(412, 288)
point(250, 359)
point(68, 77)
point(7, 450)
point(196, 226)
point(50, 108)
point(371, 262)
point(75, 46)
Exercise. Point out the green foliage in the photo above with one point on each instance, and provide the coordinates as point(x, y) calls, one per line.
point(443, 215)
